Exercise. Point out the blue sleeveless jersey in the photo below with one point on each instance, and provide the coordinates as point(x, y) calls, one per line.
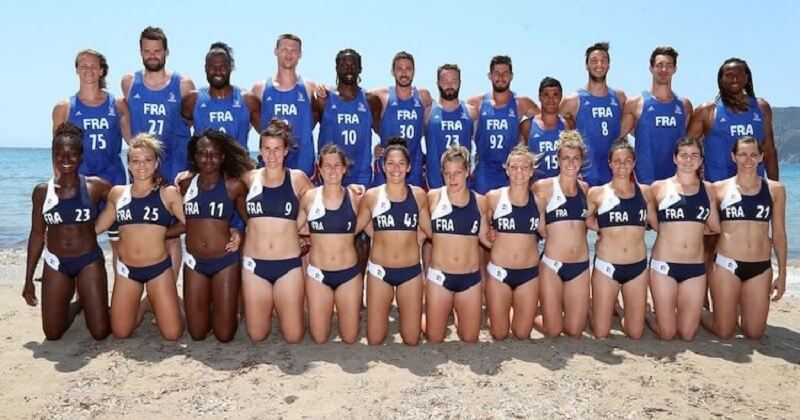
point(598, 120)
point(158, 112)
point(102, 139)
point(659, 128)
point(294, 107)
point(444, 129)
point(348, 124)
point(229, 115)
point(727, 128)
point(497, 134)
point(403, 118)
point(543, 144)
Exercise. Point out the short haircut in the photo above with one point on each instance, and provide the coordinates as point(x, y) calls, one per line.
point(598, 46)
point(291, 37)
point(664, 50)
point(501, 59)
point(402, 55)
point(448, 66)
point(153, 33)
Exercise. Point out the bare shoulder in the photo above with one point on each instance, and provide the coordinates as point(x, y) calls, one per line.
point(584, 185)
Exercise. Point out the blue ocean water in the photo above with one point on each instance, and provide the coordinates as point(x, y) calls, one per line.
point(21, 169)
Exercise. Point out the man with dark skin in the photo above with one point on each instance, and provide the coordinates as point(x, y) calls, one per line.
point(222, 106)
point(736, 112)
point(596, 112)
point(400, 112)
point(499, 115)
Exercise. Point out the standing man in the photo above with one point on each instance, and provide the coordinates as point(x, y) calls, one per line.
point(659, 118)
point(154, 97)
point(400, 112)
point(736, 112)
point(222, 106)
point(499, 116)
point(448, 122)
point(346, 118)
point(288, 97)
point(596, 112)
point(540, 133)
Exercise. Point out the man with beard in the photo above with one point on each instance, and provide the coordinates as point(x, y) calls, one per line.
point(499, 116)
point(288, 97)
point(596, 112)
point(659, 118)
point(736, 112)
point(400, 111)
point(346, 118)
point(154, 100)
point(448, 122)
point(221, 106)
point(541, 132)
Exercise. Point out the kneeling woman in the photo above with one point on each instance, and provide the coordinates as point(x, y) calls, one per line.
point(514, 259)
point(144, 211)
point(564, 266)
point(211, 199)
point(399, 215)
point(741, 280)
point(454, 276)
point(63, 215)
point(686, 210)
point(272, 273)
point(619, 211)
point(333, 275)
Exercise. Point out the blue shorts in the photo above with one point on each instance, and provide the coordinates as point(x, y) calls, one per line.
point(565, 271)
point(333, 278)
point(394, 276)
point(678, 271)
point(621, 273)
point(271, 270)
point(143, 274)
point(71, 266)
point(454, 282)
point(212, 266)
point(513, 277)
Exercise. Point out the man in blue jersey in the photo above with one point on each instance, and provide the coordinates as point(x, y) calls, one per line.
point(288, 96)
point(448, 122)
point(400, 110)
point(596, 112)
point(658, 119)
point(345, 116)
point(736, 112)
point(154, 96)
point(103, 118)
point(497, 131)
point(540, 132)
point(222, 106)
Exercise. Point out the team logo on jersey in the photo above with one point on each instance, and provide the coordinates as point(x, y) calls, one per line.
point(171, 98)
point(362, 108)
point(136, 96)
point(394, 103)
point(269, 99)
point(333, 106)
point(416, 103)
point(587, 103)
point(650, 108)
point(464, 115)
point(614, 102)
point(236, 103)
point(678, 110)
point(512, 114)
point(78, 113)
point(111, 111)
point(536, 135)
point(300, 97)
point(483, 114)
point(203, 105)
point(756, 117)
point(722, 119)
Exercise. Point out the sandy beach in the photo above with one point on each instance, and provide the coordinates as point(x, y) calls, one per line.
point(77, 377)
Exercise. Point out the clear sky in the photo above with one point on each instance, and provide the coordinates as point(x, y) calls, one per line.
point(543, 39)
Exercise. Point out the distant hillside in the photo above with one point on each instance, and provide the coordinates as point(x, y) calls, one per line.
point(787, 133)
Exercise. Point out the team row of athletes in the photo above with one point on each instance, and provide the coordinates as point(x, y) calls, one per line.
point(153, 97)
point(522, 288)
